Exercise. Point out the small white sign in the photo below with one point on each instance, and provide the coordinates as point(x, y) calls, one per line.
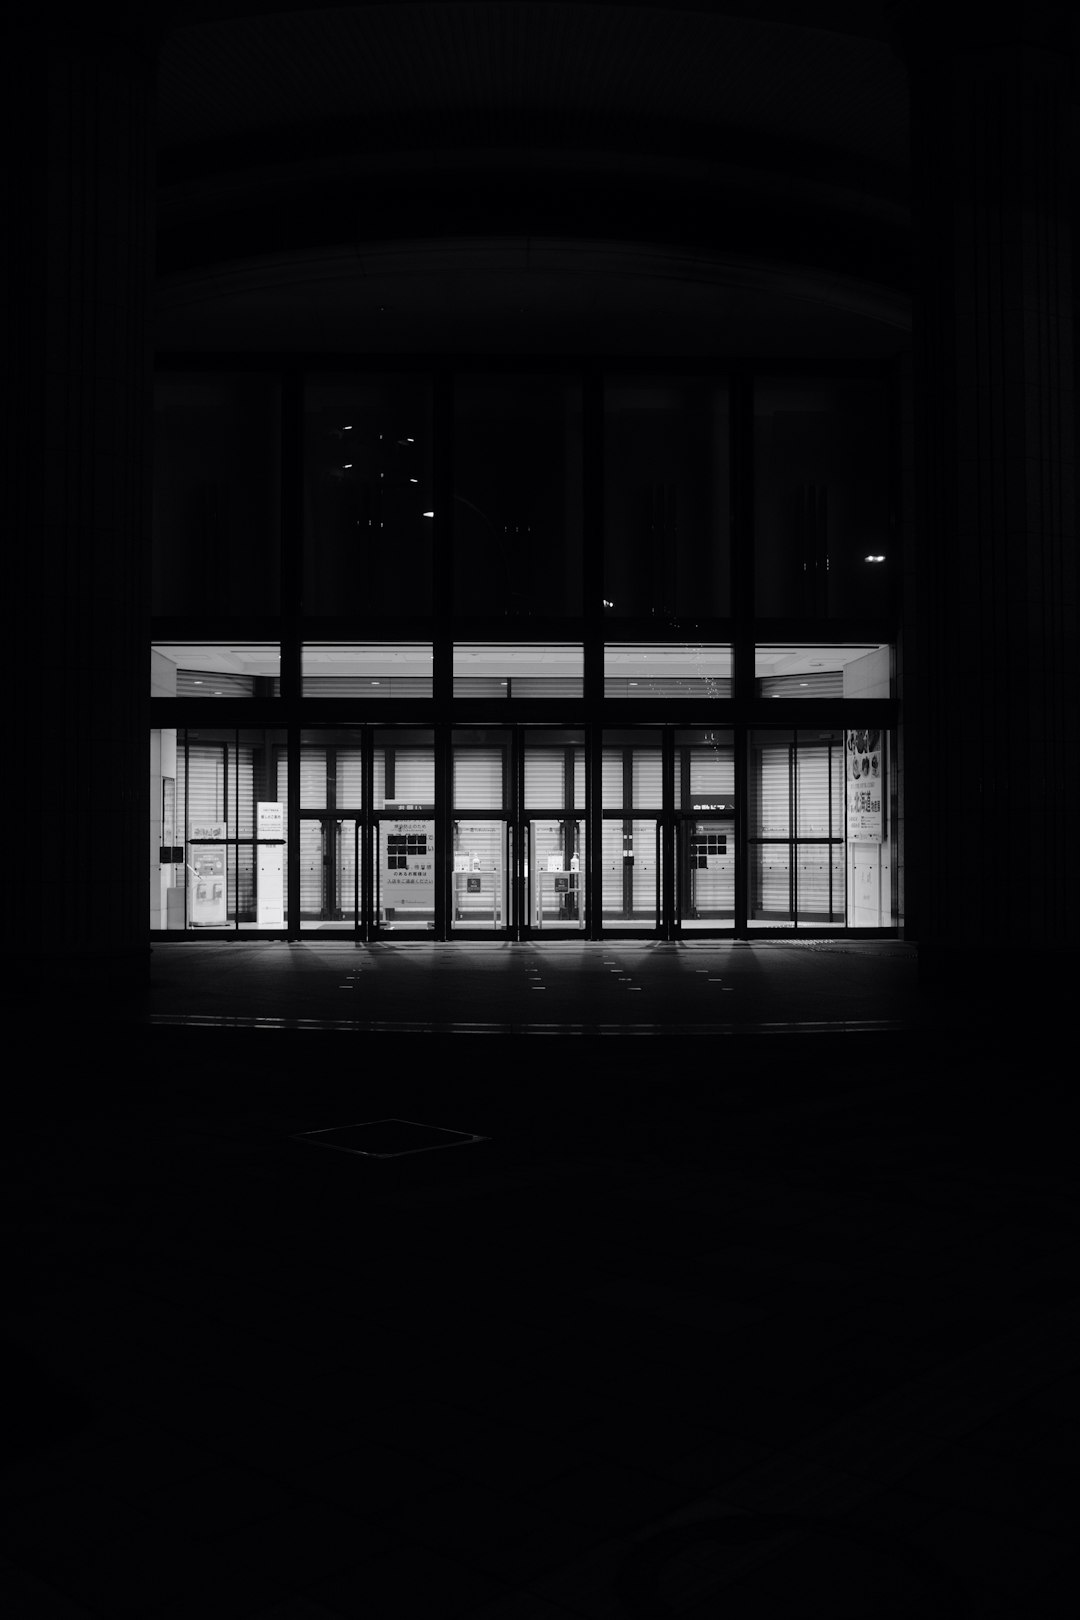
point(269, 819)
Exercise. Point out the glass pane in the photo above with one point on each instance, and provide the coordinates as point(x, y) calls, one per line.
point(227, 801)
point(770, 784)
point(264, 755)
point(819, 883)
point(214, 669)
point(313, 778)
point(704, 769)
point(705, 794)
point(328, 872)
point(480, 894)
point(819, 787)
point(650, 670)
point(796, 855)
point(481, 772)
point(368, 496)
point(823, 671)
point(666, 497)
point(631, 776)
point(630, 872)
point(404, 770)
point(508, 670)
point(517, 496)
point(376, 669)
point(312, 876)
point(770, 899)
point(555, 774)
point(167, 854)
point(349, 776)
point(205, 763)
point(822, 498)
point(712, 776)
point(331, 782)
point(557, 868)
point(405, 872)
point(707, 875)
point(216, 531)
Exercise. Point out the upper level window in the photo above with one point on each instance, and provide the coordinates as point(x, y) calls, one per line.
point(213, 669)
point(517, 496)
point(829, 671)
point(667, 549)
point(655, 670)
point(506, 669)
point(217, 496)
point(368, 509)
point(369, 670)
point(821, 498)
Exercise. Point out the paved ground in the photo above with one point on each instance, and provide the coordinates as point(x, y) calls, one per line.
point(770, 1311)
point(569, 986)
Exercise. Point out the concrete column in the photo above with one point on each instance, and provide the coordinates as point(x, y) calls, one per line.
point(990, 698)
point(78, 262)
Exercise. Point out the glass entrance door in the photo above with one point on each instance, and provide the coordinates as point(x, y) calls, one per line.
point(403, 832)
point(556, 874)
point(706, 872)
point(481, 894)
point(631, 866)
point(796, 840)
point(481, 870)
point(404, 873)
point(705, 831)
point(329, 862)
point(553, 842)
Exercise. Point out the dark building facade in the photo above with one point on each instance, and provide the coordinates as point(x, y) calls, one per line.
point(534, 470)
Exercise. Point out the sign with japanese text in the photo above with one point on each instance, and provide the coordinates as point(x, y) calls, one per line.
point(208, 832)
point(865, 773)
point(269, 820)
point(408, 875)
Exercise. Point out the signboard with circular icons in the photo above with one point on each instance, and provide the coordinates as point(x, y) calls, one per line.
point(865, 774)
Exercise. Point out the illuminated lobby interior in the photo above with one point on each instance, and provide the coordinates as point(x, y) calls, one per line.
point(643, 680)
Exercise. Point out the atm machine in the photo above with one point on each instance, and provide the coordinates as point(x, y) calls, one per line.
point(208, 876)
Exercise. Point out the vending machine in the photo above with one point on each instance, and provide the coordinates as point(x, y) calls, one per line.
point(208, 875)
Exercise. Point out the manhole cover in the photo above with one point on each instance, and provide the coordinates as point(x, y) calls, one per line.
point(388, 1138)
point(753, 1564)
